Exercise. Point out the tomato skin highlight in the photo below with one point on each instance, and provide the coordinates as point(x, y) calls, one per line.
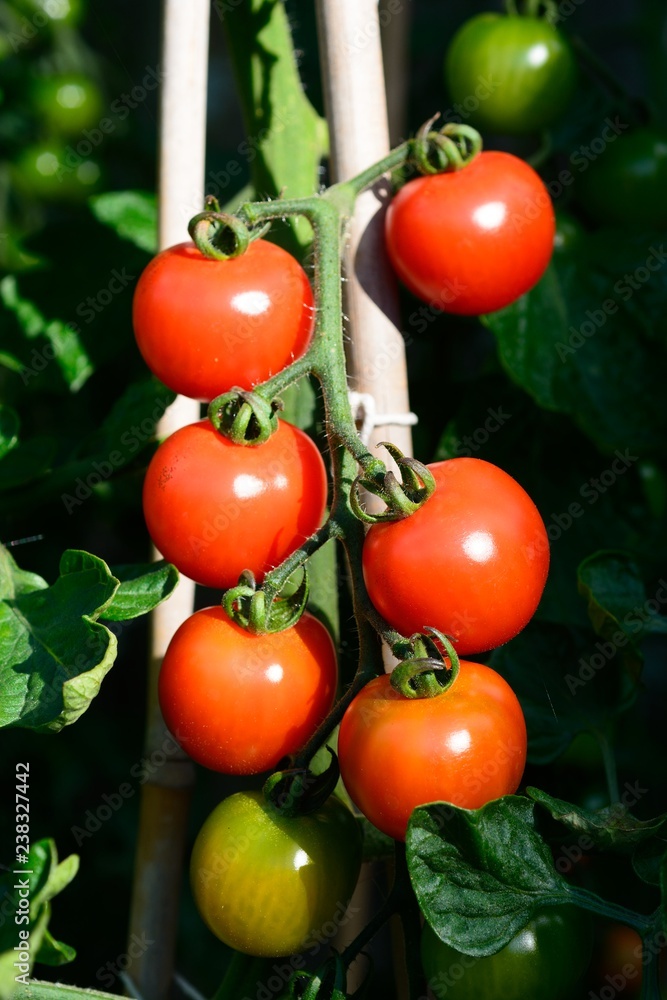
point(474, 240)
point(214, 508)
point(543, 960)
point(238, 703)
point(204, 326)
point(472, 562)
point(522, 68)
point(270, 886)
point(465, 746)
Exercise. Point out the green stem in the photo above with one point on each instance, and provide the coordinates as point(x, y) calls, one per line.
point(589, 901)
point(242, 977)
point(609, 762)
point(398, 157)
point(276, 579)
point(650, 969)
point(37, 989)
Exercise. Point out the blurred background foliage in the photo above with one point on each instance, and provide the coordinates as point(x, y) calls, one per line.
point(78, 113)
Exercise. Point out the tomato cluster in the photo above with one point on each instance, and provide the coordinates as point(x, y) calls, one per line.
point(468, 566)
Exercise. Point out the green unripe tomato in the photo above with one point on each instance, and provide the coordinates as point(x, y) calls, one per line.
point(50, 171)
point(68, 104)
point(569, 233)
point(543, 961)
point(510, 73)
point(268, 885)
point(51, 12)
point(627, 182)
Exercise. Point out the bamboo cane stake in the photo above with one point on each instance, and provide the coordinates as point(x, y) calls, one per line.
point(354, 92)
point(356, 106)
point(166, 794)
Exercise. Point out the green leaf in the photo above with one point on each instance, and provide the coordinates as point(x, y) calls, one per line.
point(9, 430)
point(66, 347)
point(142, 588)
point(612, 828)
point(27, 891)
point(130, 425)
point(131, 214)
point(613, 587)
point(287, 137)
point(567, 683)
point(54, 653)
point(480, 875)
point(15, 581)
point(26, 462)
point(576, 348)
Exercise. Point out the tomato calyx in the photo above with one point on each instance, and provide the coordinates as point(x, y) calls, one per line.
point(244, 416)
point(220, 235)
point(425, 672)
point(261, 614)
point(297, 791)
point(450, 148)
point(402, 498)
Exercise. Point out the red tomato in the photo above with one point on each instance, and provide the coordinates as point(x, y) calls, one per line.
point(465, 746)
point(214, 508)
point(472, 562)
point(238, 702)
point(473, 240)
point(204, 326)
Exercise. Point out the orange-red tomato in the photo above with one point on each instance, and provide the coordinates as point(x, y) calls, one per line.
point(465, 746)
point(204, 326)
point(472, 562)
point(237, 702)
point(214, 508)
point(473, 240)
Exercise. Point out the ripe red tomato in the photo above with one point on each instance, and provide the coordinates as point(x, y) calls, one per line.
point(473, 240)
point(237, 702)
point(465, 746)
point(204, 326)
point(214, 508)
point(472, 562)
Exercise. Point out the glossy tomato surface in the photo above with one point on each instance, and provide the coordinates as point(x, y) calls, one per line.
point(511, 74)
point(238, 702)
point(543, 960)
point(465, 746)
point(70, 103)
point(271, 886)
point(472, 562)
point(626, 183)
point(214, 508)
point(204, 326)
point(473, 240)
